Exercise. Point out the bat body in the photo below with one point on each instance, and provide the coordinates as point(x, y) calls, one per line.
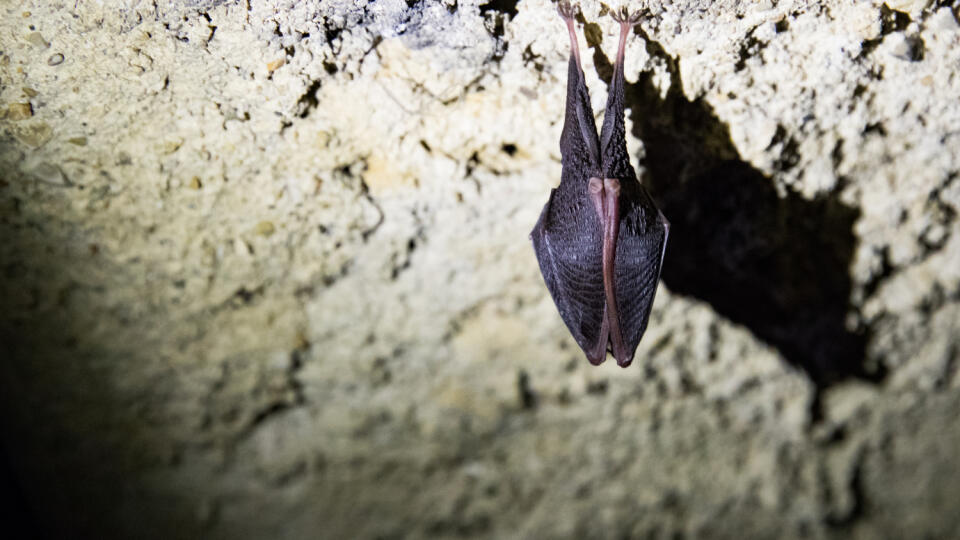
point(600, 238)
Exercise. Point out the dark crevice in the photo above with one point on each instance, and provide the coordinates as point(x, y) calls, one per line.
point(875, 128)
point(275, 408)
point(530, 57)
point(836, 156)
point(402, 261)
point(592, 34)
point(789, 150)
point(750, 47)
point(296, 364)
point(262, 415)
point(890, 21)
point(496, 14)
point(886, 270)
point(856, 510)
point(933, 300)
point(331, 33)
point(949, 369)
point(776, 264)
point(936, 234)
point(329, 279)
point(472, 163)
point(372, 201)
point(917, 48)
point(245, 297)
point(507, 8)
point(308, 101)
point(525, 393)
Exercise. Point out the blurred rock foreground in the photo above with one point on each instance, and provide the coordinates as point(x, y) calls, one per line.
point(266, 274)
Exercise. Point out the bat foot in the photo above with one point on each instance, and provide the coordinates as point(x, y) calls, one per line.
point(567, 10)
point(623, 16)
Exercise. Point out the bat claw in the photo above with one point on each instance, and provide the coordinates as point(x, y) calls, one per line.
point(567, 10)
point(623, 16)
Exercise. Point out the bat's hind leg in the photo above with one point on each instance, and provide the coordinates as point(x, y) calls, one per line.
point(568, 11)
point(626, 20)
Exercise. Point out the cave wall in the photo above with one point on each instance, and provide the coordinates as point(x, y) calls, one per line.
point(266, 272)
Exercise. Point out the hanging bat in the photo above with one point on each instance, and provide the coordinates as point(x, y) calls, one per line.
point(600, 238)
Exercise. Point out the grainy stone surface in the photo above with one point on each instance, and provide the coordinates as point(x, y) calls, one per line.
point(265, 272)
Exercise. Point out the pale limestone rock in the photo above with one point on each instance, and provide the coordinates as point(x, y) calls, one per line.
point(275, 279)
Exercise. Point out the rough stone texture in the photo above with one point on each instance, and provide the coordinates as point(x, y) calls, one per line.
point(265, 272)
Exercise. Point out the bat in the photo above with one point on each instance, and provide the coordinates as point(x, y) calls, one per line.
point(600, 239)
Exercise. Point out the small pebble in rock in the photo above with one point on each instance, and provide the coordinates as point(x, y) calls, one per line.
point(195, 183)
point(19, 111)
point(79, 141)
point(55, 59)
point(323, 139)
point(241, 248)
point(171, 146)
point(30, 92)
point(36, 39)
point(35, 135)
point(265, 228)
point(50, 174)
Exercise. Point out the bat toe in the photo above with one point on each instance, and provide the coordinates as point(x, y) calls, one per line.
point(567, 10)
point(624, 16)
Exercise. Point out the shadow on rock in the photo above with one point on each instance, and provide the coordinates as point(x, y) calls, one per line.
point(777, 265)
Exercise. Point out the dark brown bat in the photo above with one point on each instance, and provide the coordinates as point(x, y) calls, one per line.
point(600, 239)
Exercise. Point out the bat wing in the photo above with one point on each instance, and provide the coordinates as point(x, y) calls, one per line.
point(568, 243)
point(579, 148)
point(641, 243)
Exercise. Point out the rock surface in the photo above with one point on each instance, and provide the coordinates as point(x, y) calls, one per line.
point(266, 272)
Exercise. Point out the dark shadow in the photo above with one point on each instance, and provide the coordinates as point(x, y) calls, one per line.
point(17, 519)
point(61, 474)
point(777, 265)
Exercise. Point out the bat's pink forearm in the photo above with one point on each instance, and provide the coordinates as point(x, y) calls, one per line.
point(611, 229)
